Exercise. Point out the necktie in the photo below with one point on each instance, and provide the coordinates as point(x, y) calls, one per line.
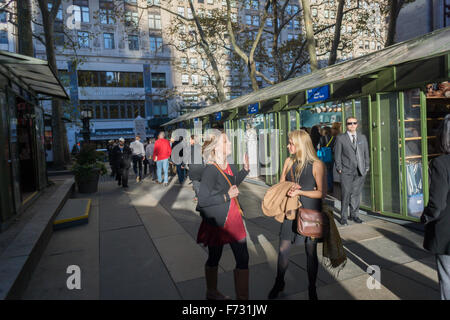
point(354, 140)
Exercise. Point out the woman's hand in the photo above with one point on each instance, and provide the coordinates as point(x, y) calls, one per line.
point(233, 192)
point(295, 191)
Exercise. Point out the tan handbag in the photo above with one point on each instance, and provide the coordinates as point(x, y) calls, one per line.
point(312, 223)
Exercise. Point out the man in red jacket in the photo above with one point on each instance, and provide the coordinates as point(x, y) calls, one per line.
point(161, 155)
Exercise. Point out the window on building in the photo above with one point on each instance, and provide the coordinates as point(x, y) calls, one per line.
point(255, 21)
point(181, 11)
point(133, 42)
point(204, 64)
point(160, 108)
point(205, 80)
point(153, 2)
point(81, 10)
point(156, 44)
point(158, 80)
point(131, 18)
point(110, 79)
point(314, 12)
point(184, 79)
point(269, 22)
point(83, 39)
point(114, 110)
point(366, 46)
point(107, 16)
point(194, 63)
point(349, 29)
point(248, 19)
point(3, 17)
point(361, 44)
point(59, 38)
point(194, 79)
point(255, 4)
point(154, 21)
point(210, 2)
point(59, 14)
point(233, 17)
point(332, 14)
point(326, 13)
point(372, 45)
point(108, 40)
point(183, 62)
point(3, 37)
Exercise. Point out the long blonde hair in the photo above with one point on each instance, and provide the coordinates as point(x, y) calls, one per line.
point(304, 151)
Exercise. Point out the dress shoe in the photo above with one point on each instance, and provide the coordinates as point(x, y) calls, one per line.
point(357, 220)
point(166, 184)
point(350, 218)
point(343, 222)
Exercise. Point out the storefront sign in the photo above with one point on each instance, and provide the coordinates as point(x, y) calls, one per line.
point(318, 94)
point(218, 116)
point(253, 108)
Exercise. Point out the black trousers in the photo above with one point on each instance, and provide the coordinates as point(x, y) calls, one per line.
point(351, 187)
point(145, 163)
point(122, 174)
point(137, 163)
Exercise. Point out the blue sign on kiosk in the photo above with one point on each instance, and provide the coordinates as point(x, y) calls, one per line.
point(218, 116)
point(318, 94)
point(253, 108)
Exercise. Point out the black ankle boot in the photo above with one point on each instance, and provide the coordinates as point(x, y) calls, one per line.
point(277, 288)
point(312, 293)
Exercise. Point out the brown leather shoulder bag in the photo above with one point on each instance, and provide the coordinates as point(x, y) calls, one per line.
point(312, 223)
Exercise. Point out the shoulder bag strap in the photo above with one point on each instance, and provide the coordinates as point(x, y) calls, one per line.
point(330, 141)
point(228, 180)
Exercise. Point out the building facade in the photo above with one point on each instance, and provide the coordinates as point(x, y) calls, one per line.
point(123, 59)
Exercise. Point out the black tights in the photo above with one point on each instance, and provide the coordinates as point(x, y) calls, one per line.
point(312, 262)
point(239, 250)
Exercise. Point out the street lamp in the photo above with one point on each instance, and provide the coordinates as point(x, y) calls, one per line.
point(86, 116)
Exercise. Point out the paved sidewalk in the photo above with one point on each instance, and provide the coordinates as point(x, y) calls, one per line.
point(141, 244)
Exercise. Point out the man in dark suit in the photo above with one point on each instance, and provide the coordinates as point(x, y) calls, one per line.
point(352, 162)
point(122, 160)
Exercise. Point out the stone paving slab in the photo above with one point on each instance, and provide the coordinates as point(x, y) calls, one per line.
point(131, 267)
point(72, 246)
point(423, 271)
point(182, 256)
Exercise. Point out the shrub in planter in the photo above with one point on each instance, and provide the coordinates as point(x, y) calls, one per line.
point(87, 168)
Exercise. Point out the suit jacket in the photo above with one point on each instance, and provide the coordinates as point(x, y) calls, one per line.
point(212, 204)
point(352, 159)
point(436, 214)
point(122, 159)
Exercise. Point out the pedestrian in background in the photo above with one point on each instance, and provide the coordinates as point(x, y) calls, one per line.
point(436, 215)
point(175, 159)
point(327, 140)
point(352, 162)
point(222, 216)
point(309, 173)
point(145, 162)
point(315, 136)
point(161, 154)
point(110, 148)
point(122, 162)
point(138, 151)
point(149, 155)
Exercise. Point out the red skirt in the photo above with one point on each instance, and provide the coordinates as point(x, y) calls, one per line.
point(232, 231)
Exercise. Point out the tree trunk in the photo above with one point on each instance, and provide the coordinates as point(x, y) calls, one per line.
point(58, 127)
point(310, 35)
point(212, 60)
point(337, 33)
point(25, 33)
point(394, 10)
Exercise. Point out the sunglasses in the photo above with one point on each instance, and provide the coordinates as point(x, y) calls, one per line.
point(350, 123)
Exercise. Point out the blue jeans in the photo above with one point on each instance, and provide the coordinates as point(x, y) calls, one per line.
point(162, 165)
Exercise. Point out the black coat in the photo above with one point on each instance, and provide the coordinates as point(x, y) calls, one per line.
point(436, 215)
point(122, 159)
point(213, 199)
point(195, 163)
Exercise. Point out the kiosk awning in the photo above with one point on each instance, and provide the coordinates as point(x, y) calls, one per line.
point(430, 45)
point(34, 73)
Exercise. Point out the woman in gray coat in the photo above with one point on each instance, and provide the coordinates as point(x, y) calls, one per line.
point(436, 215)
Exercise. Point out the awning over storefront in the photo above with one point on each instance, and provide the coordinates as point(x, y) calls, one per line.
point(34, 73)
point(427, 46)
